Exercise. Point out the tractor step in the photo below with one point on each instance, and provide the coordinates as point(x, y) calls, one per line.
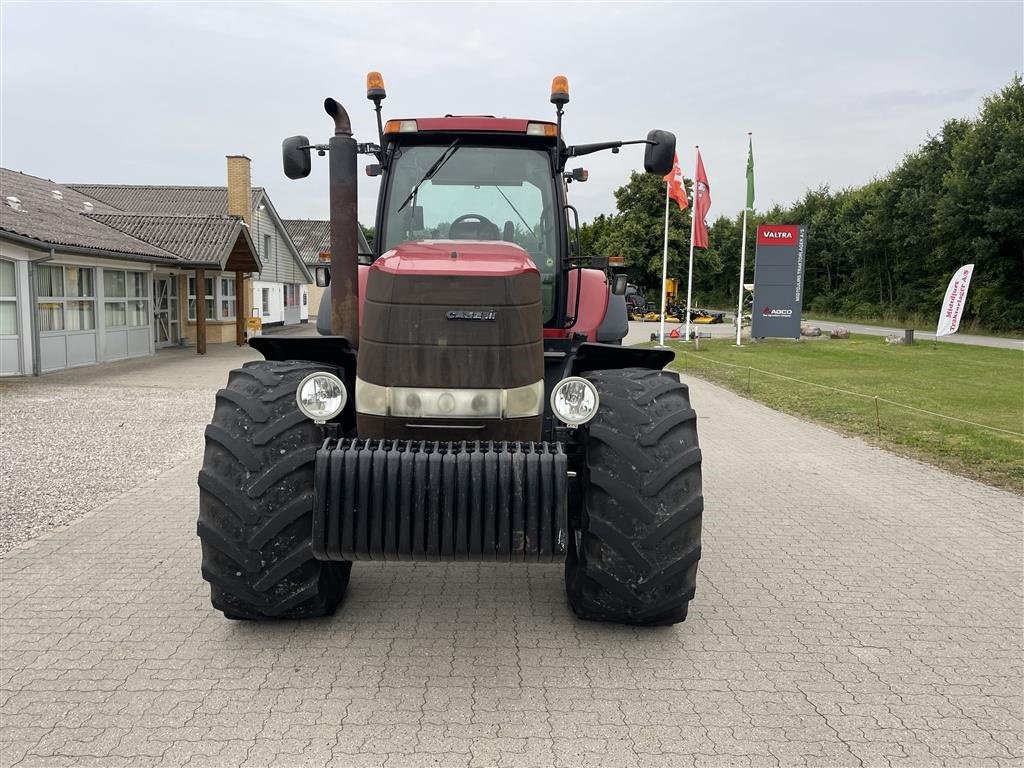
point(430, 500)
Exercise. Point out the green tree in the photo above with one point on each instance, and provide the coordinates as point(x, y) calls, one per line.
point(981, 214)
point(636, 233)
point(592, 232)
point(882, 250)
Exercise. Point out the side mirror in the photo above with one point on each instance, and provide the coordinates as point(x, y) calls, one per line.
point(660, 153)
point(295, 153)
point(323, 277)
point(619, 285)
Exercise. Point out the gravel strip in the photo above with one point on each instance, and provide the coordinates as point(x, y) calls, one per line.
point(66, 449)
point(74, 440)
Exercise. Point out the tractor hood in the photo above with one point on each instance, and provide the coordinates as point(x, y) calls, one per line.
point(469, 258)
point(461, 317)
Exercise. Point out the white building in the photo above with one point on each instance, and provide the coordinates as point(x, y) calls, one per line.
point(84, 282)
point(279, 290)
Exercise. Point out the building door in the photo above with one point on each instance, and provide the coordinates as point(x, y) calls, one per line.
point(165, 310)
point(292, 295)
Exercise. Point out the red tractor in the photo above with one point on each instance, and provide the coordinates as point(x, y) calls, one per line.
point(468, 398)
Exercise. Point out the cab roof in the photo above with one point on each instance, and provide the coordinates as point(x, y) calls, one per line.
point(471, 123)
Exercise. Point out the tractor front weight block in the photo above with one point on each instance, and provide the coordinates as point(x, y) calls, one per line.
point(442, 501)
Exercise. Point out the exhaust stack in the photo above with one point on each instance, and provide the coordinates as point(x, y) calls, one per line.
point(344, 222)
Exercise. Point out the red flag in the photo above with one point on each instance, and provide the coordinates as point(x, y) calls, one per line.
point(701, 205)
point(676, 188)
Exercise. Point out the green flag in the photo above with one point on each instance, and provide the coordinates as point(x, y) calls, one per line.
point(750, 174)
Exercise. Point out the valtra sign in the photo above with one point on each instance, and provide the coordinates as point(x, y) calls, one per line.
point(779, 280)
point(778, 234)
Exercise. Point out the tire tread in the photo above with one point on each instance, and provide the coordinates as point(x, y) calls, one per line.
point(639, 534)
point(256, 501)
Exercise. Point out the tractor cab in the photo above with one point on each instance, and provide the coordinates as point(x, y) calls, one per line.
point(477, 179)
point(474, 178)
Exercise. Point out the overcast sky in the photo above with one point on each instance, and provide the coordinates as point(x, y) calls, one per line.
point(158, 93)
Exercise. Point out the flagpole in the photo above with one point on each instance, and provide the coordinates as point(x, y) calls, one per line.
point(664, 270)
point(743, 264)
point(689, 273)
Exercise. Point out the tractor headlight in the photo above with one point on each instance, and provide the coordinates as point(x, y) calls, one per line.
point(524, 401)
point(321, 396)
point(371, 398)
point(574, 400)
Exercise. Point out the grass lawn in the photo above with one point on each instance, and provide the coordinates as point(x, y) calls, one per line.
point(977, 384)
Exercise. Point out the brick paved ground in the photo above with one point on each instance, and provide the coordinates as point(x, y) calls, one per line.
point(853, 608)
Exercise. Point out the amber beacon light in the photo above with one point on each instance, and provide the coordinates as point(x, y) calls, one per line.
point(560, 90)
point(375, 86)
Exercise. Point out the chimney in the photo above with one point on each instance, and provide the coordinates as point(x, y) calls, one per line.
point(239, 188)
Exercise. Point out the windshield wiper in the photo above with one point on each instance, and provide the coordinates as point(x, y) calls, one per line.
point(431, 172)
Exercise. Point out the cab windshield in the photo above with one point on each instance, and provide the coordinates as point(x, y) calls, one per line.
point(476, 193)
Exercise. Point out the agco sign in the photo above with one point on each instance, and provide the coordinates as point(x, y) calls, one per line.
point(779, 280)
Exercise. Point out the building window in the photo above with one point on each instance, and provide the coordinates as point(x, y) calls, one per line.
point(8, 300)
point(81, 316)
point(210, 301)
point(266, 247)
point(221, 298)
point(65, 298)
point(227, 298)
point(114, 284)
point(291, 295)
point(265, 301)
point(125, 298)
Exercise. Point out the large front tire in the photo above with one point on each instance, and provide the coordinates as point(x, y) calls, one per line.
point(256, 500)
point(633, 558)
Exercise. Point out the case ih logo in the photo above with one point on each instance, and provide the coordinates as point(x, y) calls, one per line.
point(769, 312)
point(488, 315)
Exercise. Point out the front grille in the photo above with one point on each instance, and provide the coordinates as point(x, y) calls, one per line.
point(430, 500)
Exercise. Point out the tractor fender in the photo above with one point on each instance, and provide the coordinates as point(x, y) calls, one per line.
point(597, 357)
point(330, 350)
point(615, 326)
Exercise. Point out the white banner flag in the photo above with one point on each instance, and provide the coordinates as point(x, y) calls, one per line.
point(953, 304)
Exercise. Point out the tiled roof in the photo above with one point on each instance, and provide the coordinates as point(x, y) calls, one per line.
point(158, 199)
point(205, 239)
point(311, 238)
point(61, 221)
